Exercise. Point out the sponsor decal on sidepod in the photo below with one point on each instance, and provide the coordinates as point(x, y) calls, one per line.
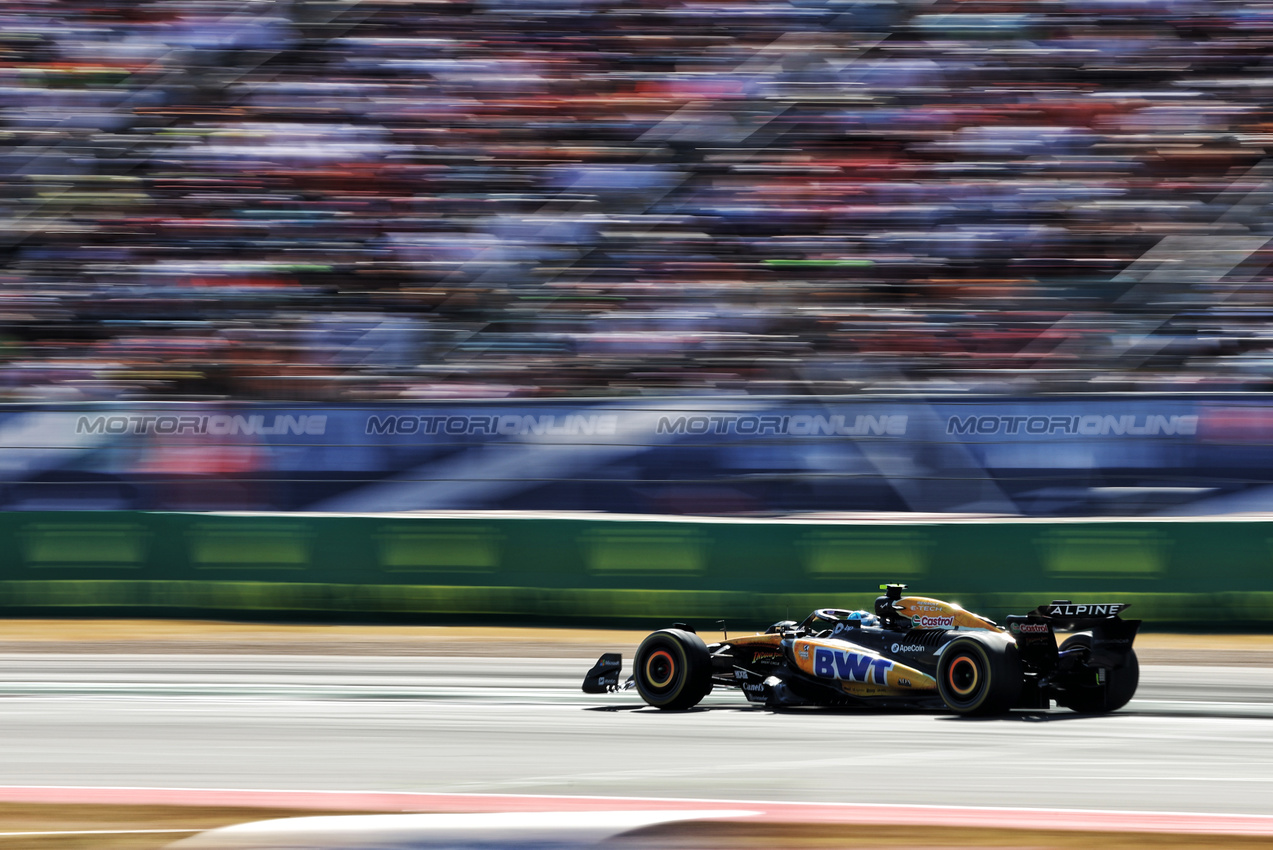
point(909, 647)
point(849, 666)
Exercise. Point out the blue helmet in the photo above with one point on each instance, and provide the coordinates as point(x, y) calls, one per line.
point(865, 618)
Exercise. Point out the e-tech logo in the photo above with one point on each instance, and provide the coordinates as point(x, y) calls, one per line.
point(923, 621)
point(849, 666)
point(1086, 425)
point(800, 425)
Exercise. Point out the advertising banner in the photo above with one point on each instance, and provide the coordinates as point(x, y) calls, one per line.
point(750, 455)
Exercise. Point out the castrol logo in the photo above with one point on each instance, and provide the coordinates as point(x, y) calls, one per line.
point(925, 621)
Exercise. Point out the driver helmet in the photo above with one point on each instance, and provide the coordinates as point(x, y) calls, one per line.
point(865, 618)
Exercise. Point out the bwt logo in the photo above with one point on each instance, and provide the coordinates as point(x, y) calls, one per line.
point(1089, 425)
point(514, 425)
point(800, 425)
point(221, 425)
point(849, 666)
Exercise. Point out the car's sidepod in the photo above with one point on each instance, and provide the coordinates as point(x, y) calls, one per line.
point(856, 670)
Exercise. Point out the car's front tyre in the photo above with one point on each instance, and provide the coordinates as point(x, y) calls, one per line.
point(673, 669)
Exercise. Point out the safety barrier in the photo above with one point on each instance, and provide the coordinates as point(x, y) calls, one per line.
point(629, 570)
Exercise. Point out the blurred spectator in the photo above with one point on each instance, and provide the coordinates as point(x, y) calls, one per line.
point(313, 199)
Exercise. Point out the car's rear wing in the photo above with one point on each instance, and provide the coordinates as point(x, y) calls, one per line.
point(1112, 636)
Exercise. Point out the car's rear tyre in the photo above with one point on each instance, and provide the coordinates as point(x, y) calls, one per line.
point(979, 677)
point(673, 669)
point(1096, 697)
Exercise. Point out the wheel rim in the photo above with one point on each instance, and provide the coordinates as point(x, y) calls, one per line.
point(660, 669)
point(963, 676)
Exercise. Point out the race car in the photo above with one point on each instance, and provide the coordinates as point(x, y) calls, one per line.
point(910, 652)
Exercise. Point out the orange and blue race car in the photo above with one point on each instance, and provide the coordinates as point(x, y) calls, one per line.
point(910, 652)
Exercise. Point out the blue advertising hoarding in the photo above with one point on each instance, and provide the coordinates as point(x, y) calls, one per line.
point(1037, 456)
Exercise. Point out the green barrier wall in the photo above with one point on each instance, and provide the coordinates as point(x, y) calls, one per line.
point(575, 571)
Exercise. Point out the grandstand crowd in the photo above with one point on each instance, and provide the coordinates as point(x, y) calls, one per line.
point(408, 199)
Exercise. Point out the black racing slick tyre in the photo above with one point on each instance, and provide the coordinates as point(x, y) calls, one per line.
point(673, 669)
point(1096, 696)
point(979, 677)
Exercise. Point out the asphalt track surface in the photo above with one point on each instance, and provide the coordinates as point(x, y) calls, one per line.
point(1196, 739)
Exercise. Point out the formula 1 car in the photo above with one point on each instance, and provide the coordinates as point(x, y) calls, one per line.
point(912, 652)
